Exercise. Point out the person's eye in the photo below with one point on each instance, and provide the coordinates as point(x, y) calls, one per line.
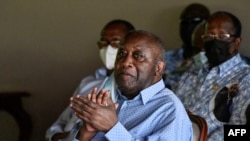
point(139, 56)
point(207, 37)
point(116, 43)
point(210, 36)
point(224, 36)
point(102, 44)
point(121, 54)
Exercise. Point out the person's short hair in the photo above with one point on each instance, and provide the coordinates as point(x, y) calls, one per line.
point(196, 10)
point(156, 40)
point(127, 24)
point(235, 20)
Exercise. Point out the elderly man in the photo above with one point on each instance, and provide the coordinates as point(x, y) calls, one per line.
point(220, 90)
point(112, 35)
point(146, 110)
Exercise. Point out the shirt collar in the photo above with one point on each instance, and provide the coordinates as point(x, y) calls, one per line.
point(152, 90)
point(101, 72)
point(229, 64)
point(226, 66)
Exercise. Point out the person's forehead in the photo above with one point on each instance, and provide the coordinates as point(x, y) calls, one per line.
point(115, 28)
point(220, 23)
point(139, 42)
point(115, 31)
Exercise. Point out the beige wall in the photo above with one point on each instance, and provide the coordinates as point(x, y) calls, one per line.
point(47, 46)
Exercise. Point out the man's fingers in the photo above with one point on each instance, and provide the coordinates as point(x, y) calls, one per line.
point(89, 96)
point(76, 108)
point(78, 102)
point(83, 116)
point(99, 96)
point(93, 95)
point(105, 98)
point(94, 91)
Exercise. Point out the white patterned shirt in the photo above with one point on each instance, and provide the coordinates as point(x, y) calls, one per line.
point(198, 90)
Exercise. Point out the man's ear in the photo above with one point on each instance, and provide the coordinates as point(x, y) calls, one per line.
point(237, 43)
point(160, 68)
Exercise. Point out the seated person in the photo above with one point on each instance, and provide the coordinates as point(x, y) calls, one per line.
point(220, 91)
point(145, 108)
point(111, 37)
point(179, 59)
point(198, 57)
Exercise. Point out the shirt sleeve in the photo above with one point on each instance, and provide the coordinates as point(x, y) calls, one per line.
point(58, 125)
point(118, 132)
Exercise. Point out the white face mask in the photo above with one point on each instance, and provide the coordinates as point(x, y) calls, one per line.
point(108, 56)
point(200, 59)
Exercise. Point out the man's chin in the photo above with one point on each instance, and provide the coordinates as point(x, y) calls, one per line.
point(125, 84)
point(125, 77)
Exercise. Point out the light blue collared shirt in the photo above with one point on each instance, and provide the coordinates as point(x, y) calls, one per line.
point(155, 114)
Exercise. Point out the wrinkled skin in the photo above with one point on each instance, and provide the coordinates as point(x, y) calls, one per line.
point(136, 67)
point(91, 110)
point(96, 110)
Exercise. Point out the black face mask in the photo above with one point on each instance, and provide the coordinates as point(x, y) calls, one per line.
point(217, 52)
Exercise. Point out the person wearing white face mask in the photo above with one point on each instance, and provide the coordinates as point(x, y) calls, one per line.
point(108, 55)
point(111, 37)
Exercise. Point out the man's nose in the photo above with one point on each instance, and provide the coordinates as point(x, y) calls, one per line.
point(127, 61)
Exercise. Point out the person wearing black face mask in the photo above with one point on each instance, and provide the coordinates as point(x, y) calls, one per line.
point(220, 90)
point(217, 48)
point(178, 59)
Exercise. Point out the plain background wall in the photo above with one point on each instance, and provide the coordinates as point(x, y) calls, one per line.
point(48, 46)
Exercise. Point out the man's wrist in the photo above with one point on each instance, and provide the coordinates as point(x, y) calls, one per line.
point(84, 134)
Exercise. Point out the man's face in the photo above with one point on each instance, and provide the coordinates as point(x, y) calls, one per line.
point(135, 64)
point(219, 50)
point(112, 35)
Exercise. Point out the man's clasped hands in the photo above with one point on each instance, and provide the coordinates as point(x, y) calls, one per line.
point(97, 111)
